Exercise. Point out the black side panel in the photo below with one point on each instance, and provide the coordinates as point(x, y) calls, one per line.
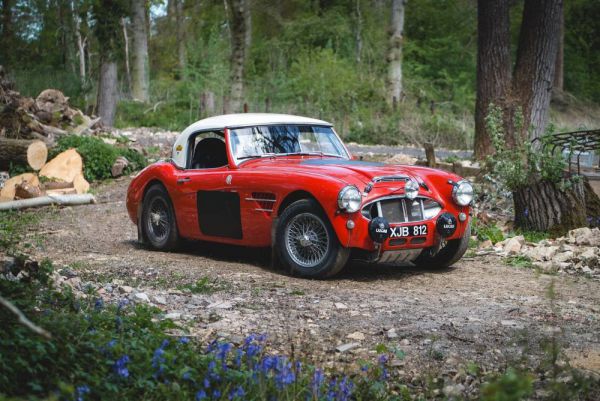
point(219, 214)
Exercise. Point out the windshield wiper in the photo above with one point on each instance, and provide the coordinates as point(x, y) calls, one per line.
point(256, 156)
point(314, 153)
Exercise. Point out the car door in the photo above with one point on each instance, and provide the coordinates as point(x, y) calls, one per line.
point(210, 208)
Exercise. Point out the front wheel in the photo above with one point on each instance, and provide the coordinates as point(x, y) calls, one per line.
point(306, 243)
point(449, 254)
point(158, 223)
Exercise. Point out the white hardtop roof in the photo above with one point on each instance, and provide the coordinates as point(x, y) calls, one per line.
point(250, 119)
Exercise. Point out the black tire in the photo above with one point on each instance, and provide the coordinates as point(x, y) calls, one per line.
point(321, 251)
point(159, 227)
point(448, 255)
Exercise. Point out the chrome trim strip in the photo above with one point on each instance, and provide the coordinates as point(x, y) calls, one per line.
point(390, 178)
point(264, 210)
point(261, 200)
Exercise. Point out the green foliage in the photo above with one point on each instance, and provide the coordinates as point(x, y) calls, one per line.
point(518, 166)
point(13, 225)
point(513, 385)
point(98, 156)
point(486, 232)
point(205, 285)
point(520, 261)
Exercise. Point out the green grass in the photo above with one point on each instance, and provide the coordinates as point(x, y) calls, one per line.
point(204, 285)
point(520, 261)
point(13, 225)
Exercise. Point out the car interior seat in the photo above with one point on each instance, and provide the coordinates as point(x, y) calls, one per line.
point(209, 153)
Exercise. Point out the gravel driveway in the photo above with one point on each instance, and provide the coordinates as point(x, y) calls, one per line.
point(480, 311)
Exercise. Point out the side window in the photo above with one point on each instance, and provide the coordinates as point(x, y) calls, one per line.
point(207, 151)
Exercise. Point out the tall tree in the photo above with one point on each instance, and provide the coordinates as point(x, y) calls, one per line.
point(559, 73)
point(394, 56)
point(536, 59)
point(107, 15)
point(493, 66)
point(180, 36)
point(7, 31)
point(140, 79)
point(528, 91)
point(240, 32)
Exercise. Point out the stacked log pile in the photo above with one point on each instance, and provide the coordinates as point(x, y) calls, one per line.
point(62, 175)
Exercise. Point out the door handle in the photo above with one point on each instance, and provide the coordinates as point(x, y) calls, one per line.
point(183, 180)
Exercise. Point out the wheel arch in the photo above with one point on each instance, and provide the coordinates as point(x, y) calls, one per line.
point(293, 197)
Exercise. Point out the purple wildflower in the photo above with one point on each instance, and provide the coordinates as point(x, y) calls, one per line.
point(200, 395)
point(120, 366)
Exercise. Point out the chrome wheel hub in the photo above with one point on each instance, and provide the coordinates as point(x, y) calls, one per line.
point(306, 240)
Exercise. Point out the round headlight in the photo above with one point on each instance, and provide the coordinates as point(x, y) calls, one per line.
point(462, 193)
point(349, 199)
point(411, 189)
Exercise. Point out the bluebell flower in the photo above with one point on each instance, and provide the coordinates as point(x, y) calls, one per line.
point(200, 395)
point(81, 391)
point(122, 304)
point(317, 382)
point(252, 350)
point(261, 338)
point(237, 392)
point(298, 367)
point(223, 350)
point(184, 340)
point(186, 376)
point(99, 304)
point(331, 391)
point(249, 340)
point(216, 394)
point(120, 366)
point(346, 386)
point(164, 344)
point(238, 358)
point(111, 343)
point(364, 368)
point(382, 361)
point(206, 382)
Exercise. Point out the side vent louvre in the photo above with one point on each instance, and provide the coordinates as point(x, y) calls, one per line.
point(265, 201)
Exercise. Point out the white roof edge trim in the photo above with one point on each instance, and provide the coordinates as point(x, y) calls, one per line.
point(180, 147)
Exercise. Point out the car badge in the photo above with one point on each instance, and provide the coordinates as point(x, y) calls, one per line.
point(179, 148)
point(228, 179)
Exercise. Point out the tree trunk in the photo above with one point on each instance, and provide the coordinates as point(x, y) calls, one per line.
point(126, 49)
point(536, 60)
point(544, 206)
point(493, 66)
point(107, 92)
point(394, 56)
point(80, 44)
point(180, 34)
point(19, 152)
point(559, 73)
point(358, 33)
point(140, 71)
point(239, 25)
point(7, 33)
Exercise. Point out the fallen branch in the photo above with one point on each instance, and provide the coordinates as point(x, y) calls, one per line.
point(82, 199)
point(22, 319)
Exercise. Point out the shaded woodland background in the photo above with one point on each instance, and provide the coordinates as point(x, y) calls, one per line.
point(329, 59)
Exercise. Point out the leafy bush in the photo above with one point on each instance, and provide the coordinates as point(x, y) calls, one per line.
point(519, 166)
point(98, 156)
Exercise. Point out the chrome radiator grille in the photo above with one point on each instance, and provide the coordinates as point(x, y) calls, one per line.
point(402, 210)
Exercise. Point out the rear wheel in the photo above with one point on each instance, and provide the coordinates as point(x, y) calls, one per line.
point(449, 254)
point(306, 243)
point(158, 219)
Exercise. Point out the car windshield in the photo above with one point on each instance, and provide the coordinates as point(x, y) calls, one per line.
point(274, 140)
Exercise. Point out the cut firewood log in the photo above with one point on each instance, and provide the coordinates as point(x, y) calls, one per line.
point(64, 167)
point(25, 190)
point(56, 185)
point(19, 152)
point(120, 164)
point(61, 191)
point(49, 200)
point(80, 184)
point(8, 192)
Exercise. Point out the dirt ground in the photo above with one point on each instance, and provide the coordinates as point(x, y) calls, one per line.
point(480, 311)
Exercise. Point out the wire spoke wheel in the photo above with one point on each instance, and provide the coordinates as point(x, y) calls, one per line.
point(307, 240)
point(157, 220)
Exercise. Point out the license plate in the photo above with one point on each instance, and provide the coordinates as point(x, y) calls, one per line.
point(408, 231)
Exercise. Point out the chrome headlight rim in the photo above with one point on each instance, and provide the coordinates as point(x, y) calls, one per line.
point(349, 205)
point(461, 189)
point(411, 189)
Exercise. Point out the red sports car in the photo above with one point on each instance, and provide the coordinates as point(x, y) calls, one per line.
point(289, 182)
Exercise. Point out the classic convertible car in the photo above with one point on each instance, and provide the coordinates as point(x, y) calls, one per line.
point(289, 182)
